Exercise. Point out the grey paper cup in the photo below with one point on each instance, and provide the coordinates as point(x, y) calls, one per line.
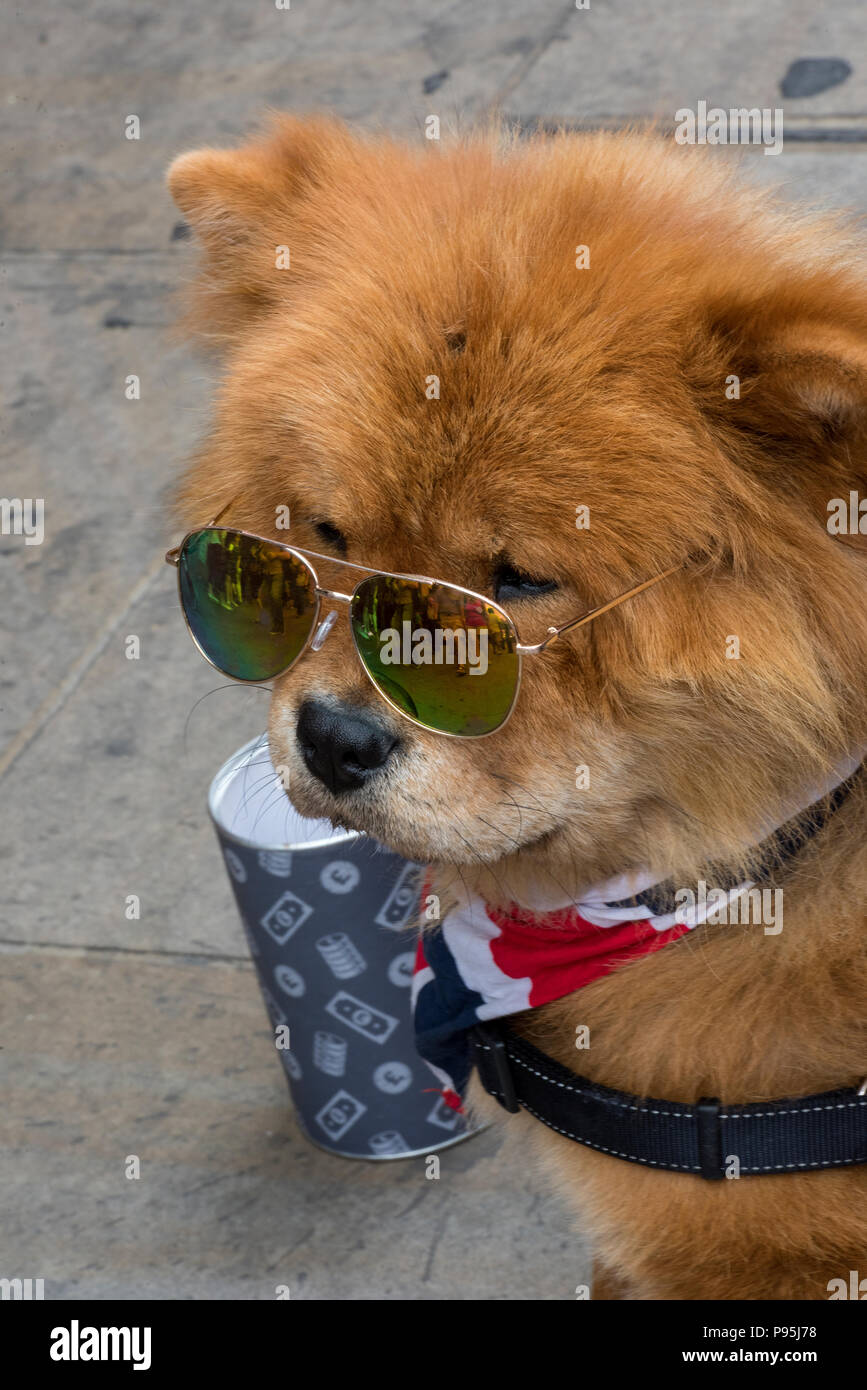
point(323, 911)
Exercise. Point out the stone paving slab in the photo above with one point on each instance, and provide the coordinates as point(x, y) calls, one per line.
point(630, 59)
point(103, 463)
point(808, 175)
point(205, 74)
point(111, 799)
point(171, 1061)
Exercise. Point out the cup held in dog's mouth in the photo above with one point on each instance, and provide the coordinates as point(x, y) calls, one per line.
point(327, 914)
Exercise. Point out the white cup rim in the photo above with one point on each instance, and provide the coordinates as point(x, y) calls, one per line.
point(222, 781)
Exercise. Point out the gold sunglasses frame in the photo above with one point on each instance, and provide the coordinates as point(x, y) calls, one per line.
point(173, 557)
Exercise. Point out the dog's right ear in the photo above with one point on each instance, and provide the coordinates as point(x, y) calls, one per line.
point(248, 208)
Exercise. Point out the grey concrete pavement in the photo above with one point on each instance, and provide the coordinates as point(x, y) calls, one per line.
point(632, 59)
point(170, 1060)
point(149, 1037)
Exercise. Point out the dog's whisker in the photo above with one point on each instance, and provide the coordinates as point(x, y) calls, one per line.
point(519, 846)
point(487, 867)
point(252, 760)
point(265, 780)
point(230, 685)
point(268, 803)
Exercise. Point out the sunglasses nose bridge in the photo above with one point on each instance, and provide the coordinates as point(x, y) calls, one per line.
point(333, 594)
point(327, 623)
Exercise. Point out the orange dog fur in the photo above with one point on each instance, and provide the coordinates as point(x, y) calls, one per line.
point(602, 387)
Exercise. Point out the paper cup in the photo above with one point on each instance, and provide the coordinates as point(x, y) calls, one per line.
point(325, 912)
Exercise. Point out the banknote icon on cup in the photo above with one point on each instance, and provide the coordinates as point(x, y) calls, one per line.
point(402, 900)
point(364, 1018)
point(341, 921)
point(341, 1111)
point(285, 916)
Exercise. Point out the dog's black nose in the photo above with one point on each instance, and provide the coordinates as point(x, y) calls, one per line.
point(342, 746)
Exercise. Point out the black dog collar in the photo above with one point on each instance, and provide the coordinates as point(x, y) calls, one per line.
point(828, 1130)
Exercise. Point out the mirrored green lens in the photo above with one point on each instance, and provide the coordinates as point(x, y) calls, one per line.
point(444, 657)
point(250, 605)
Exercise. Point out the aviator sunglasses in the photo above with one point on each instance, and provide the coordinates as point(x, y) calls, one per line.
point(444, 657)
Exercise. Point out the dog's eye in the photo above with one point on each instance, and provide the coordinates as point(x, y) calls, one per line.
point(331, 535)
point(511, 583)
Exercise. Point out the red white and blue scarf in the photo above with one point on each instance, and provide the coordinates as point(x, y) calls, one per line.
point(482, 962)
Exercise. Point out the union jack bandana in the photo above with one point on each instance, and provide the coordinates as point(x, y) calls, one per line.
point(481, 962)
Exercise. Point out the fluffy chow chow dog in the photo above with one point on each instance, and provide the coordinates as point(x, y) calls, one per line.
point(546, 371)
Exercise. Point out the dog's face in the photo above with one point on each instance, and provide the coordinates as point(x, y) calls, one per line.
point(426, 367)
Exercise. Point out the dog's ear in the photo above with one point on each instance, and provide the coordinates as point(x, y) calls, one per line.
point(787, 388)
point(806, 381)
point(243, 207)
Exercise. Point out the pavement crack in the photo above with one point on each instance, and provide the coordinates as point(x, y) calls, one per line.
point(157, 956)
point(57, 698)
point(434, 1246)
point(530, 59)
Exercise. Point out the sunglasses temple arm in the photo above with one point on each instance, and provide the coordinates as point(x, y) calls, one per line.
point(555, 632)
point(222, 512)
point(173, 556)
